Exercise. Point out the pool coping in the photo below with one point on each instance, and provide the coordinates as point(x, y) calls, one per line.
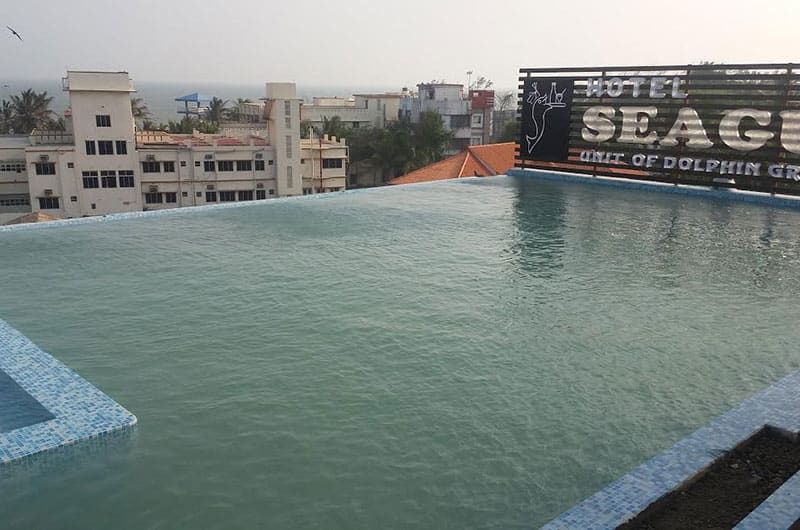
point(778, 406)
point(787, 201)
point(81, 411)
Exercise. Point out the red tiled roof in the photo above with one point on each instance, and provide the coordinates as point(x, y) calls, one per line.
point(476, 161)
point(33, 217)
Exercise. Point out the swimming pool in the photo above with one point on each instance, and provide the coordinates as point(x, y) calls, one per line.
point(481, 353)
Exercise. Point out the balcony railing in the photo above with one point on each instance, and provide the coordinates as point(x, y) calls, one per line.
point(38, 137)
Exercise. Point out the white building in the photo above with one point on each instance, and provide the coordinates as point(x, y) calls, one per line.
point(101, 165)
point(450, 102)
point(362, 110)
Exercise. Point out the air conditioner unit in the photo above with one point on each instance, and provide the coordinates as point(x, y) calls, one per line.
point(48, 192)
point(209, 157)
point(259, 186)
point(210, 187)
point(150, 158)
point(44, 158)
point(259, 156)
point(153, 189)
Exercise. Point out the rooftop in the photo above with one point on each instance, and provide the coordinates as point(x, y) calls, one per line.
point(163, 138)
point(476, 161)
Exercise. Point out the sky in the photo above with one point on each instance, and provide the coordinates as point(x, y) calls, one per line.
point(378, 43)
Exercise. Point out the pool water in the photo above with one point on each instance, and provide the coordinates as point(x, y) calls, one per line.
point(18, 408)
point(473, 354)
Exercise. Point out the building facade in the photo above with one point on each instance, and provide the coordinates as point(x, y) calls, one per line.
point(100, 164)
point(450, 102)
point(362, 110)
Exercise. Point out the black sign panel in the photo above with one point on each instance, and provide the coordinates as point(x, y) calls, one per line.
point(546, 108)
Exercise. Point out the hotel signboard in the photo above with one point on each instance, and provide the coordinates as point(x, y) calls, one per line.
point(726, 125)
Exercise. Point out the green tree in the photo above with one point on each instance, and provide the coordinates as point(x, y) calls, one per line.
point(6, 116)
point(335, 127)
point(430, 139)
point(216, 110)
point(139, 109)
point(510, 132)
point(31, 110)
point(305, 128)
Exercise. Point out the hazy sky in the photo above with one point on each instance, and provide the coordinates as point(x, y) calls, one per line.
point(381, 43)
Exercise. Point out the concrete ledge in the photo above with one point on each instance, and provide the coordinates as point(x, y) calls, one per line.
point(623, 499)
point(786, 201)
point(80, 411)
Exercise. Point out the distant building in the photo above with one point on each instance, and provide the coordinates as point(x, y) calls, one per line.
point(474, 161)
point(362, 110)
point(481, 103)
point(450, 102)
point(324, 162)
point(102, 165)
point(193, 105)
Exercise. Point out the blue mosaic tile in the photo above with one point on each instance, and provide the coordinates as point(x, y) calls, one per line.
point(77, 410)
point(786, 201)
point(620, 501)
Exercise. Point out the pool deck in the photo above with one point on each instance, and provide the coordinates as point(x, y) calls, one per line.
point(77, 410)
point(623, 499)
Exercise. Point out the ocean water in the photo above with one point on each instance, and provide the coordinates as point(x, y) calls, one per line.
point(472, 354)
point(160, 96)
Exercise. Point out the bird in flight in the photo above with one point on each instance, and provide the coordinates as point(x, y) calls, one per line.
point(14, 32)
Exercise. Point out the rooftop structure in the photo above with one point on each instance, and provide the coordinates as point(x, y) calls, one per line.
point(475, 161)
point(362, 110)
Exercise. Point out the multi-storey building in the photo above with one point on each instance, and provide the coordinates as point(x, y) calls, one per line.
point(362, 110)
point(102, 165)
point(448, 100)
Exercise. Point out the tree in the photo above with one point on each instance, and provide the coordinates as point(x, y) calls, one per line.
point(305, 128)
point(6, 116)
point(505, 101)
point(429, 139)
point(31, 110)
point(139, 109)
point(235, 112)
point(216, 110)
point(510, 132)
point(335, 127)
point(481, 83)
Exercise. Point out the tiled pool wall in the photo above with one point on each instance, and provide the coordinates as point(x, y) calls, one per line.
point(784, 201)
point(623, 499)
point(75, 409)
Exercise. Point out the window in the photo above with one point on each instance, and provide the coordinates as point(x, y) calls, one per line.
point(12, 167)
point(105, 147)
point(108, 179)
point(259, 165)
point(45, 168)
point(244, 165)
point(288, 122)
point(199, 194)
point(91, 147)
point(477, 120)
point(459, 121)
point(184, 194)
point(196, 163)
point(90, 180)
point(330, 163)
point(183, 163)
point(151, 166)
point(153, 198)
point(73, 198)
point(15, 201)
point(211, 196)
point(302, 160)
point(288, 147)
point(261, 194)
point(225, 165)
point(126, 178)
point(287, 108)
point(122, 147)
point(246, 195)
point(71, 165)
point(208, 166)
point(289, 176)
point(227, 196)
point(103, 120)
point(48, 203)
point(271, 162)
point(171, 197)
point(169, 167)
point(272, 192)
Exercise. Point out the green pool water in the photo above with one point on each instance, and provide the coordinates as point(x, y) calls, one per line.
point(473, 354)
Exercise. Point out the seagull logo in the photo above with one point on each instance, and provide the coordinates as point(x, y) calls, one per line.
point(541, 104)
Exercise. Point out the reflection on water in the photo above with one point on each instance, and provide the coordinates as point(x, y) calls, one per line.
point(539, 211)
